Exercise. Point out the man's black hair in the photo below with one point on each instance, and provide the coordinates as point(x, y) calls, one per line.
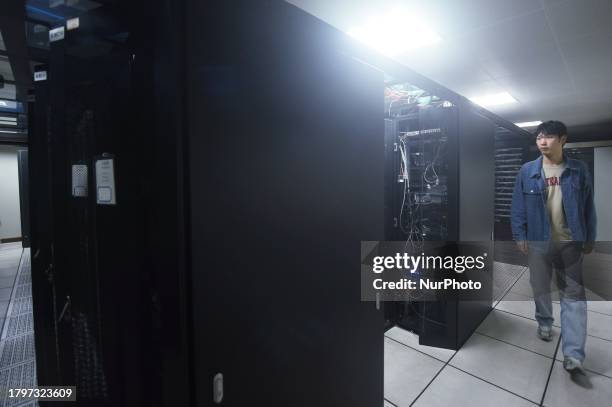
point(552, 128)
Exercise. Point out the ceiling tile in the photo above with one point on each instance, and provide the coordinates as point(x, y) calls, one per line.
point(454, 17)
point(603, 96)
point(575, 18)
point(512, 38)
point(590, 115)
point(529, 89)
point(476, 89)
point(446, 63)
point(537, 60)
point(571, 109)
point(520, 114)
point(590, 61)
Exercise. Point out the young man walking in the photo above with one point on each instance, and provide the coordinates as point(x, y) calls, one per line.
point(554, 223)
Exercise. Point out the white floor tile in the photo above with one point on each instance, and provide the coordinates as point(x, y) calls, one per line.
point(10, 252)
point(452, 387)
point(523, 286)
point(504, 276)
point(407, 372)
point(524, 306)
point(597, 289)
point(5, 293)
point(519, 371)
point(568, 390)
point(603, 307)
point(8, 281)
point(598, 356)
point(599, 325)
point(9, 262)
point(518, 331)
point(387, 404)
point(412, 340)
point(513, 296)
point(4, 308)
point(597, 268)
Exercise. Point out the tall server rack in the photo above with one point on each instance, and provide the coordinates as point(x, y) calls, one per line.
point(511, 152)
point(439, 187)
point(91, 260)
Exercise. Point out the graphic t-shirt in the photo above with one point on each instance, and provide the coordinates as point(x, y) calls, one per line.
point(554, 203)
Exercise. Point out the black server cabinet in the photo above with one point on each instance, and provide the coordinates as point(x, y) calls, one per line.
point(511, 152)
point(91, 313)
point(286, 178)
point(442, 192)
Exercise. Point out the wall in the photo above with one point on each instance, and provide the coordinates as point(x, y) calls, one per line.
point(603, 192)
point(10, 218)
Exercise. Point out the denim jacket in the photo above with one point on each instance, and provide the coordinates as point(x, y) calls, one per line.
point(529, 215)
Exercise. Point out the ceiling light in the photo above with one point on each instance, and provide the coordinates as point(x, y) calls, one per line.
point(9, 131)
point(396, 32)
point(495, 99)
point(529, 124)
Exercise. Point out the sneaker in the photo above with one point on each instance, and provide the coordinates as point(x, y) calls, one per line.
point(572, 365)
point(545, 333)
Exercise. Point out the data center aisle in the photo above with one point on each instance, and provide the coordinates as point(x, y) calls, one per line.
point(17, 355)
point(503, 363)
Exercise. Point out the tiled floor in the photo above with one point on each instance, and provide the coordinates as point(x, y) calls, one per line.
point(10, 256)
point(17, 364)
point(503, 363)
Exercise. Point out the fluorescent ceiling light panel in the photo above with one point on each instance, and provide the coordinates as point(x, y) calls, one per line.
point(529, 124)
point(3, 123)
point(8, 119)
point(396, 32)
point(495, 99)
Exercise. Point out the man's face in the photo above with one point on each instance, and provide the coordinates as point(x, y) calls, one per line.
point(550, 144)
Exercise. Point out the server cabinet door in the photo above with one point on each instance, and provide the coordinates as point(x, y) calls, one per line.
point(286, 178)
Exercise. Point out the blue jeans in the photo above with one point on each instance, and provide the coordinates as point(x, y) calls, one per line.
point(565, 260)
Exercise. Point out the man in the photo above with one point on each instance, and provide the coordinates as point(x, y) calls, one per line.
point(554, 223)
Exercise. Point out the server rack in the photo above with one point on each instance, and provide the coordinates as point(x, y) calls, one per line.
point(90, 282)
point(511, 152)
point(439, 188)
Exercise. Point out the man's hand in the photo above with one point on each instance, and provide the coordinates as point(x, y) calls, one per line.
point(522, 246)
point(587, 247)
